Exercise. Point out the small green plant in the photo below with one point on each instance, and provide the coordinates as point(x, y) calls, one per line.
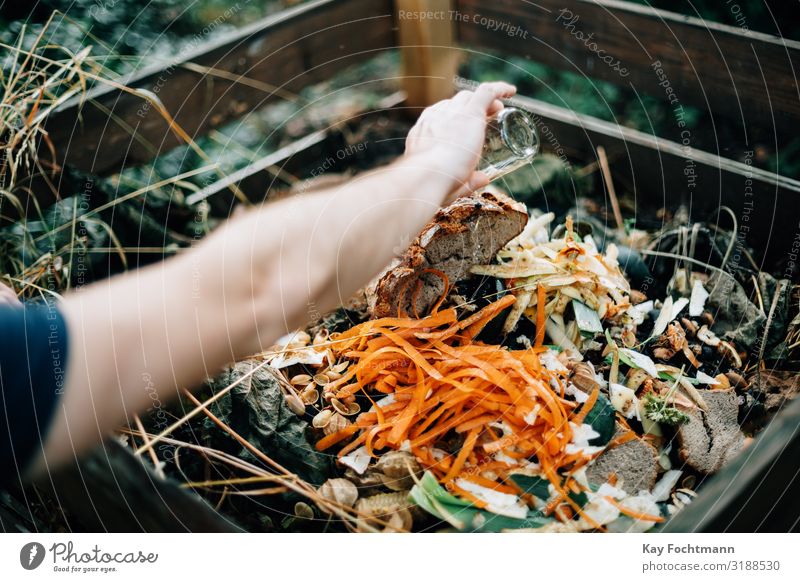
point(659, 410)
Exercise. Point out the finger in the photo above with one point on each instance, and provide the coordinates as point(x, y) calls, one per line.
point(495, 108)
point(462, 97)
point(487, 93)
point(413, 132)
point(477, 181)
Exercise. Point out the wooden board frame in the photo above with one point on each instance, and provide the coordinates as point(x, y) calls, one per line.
point(94, 143)
point(734, 73)
point(704, 181)
point(757, 491)
point(270, 59)
point(426, 37)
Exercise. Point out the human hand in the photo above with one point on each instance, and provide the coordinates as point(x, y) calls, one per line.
point(450, 134)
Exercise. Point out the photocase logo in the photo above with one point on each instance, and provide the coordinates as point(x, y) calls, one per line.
point(31, 555)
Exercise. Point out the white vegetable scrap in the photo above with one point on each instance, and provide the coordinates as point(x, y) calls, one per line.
point(496, 501)
point(642, 504)
point(549, 359)
point(678, 306)
point(294, 349)
point(638, 313)
point(641, 360)
point(624, 400)
point(568, 270)
point(669, 311)
point(576, 393)
point(581, 435)
point(663, 489)
point(663, 319)
point(555, 329)
point(697, 303)
point(358, 460)
point(704, 378)
point(383, 402)
point(599, 509)
point(531, 417)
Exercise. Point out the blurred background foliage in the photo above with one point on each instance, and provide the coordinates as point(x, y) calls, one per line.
point(618, 104)
point(777, 17)
point(126, 31)
point(129, 34)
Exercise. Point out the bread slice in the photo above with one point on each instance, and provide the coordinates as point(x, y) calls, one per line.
point(708, 440)
point(468, 232)
point(635, 464)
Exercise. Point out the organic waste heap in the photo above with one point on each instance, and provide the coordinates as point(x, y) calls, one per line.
point(508, 377)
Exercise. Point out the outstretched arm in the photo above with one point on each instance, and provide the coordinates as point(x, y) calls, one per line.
point(144, 334)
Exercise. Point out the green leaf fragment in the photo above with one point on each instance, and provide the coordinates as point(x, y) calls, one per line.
point(536, 486)
point(463, 515)
point(587, 319)
point(602, 418)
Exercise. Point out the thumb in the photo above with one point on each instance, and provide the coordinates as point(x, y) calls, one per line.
point(477, 181)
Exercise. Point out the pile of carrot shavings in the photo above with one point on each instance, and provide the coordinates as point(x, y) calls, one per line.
point(473, 414)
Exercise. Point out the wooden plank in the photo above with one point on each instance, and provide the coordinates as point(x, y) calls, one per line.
point(272, 58)
point(303, 158)
point(660, 172)
point(112, 490)
point(757, 491)
point(747, 76)
point(256, 179)
point(426, 36)
point(663, 173)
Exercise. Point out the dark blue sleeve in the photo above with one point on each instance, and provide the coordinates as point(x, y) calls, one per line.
point(33, 358)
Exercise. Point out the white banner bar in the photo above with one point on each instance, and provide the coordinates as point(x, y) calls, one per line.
point(388, 558)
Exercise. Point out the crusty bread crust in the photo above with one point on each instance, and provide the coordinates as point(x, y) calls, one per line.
point(468, 232)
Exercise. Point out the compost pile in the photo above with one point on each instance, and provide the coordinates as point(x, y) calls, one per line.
point(533, 391)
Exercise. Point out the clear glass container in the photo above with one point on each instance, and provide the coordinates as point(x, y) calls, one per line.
point(511, 142)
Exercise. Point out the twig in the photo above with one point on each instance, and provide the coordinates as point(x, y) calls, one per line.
point(347, 514)
point(612, 193)
point(157, 464)
point(685, 258)
point(588, 169)
point(131, 195)
point(734, 234)
point(770, 318)
point(222, 499)
point(239, 79)
point(256, 451)
point(234, 481)
point(758, 294)
point(199, 409)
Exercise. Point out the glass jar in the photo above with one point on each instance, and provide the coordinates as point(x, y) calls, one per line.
point(511, 142)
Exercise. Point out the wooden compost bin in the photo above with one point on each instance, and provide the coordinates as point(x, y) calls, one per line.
point(733, 74)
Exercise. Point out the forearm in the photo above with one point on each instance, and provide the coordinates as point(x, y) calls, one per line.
point(133, 340)
point(335, 241)
point(136, 339)
point(303, 256)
